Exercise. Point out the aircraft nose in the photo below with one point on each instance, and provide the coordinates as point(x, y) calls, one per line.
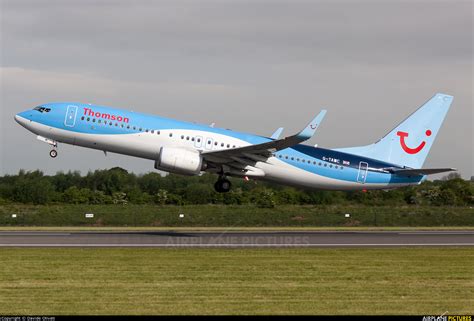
point(21, 118)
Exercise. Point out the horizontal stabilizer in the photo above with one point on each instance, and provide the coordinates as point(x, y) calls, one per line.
point(420, 171)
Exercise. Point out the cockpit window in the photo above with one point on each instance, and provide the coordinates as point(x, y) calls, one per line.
point(42, 109)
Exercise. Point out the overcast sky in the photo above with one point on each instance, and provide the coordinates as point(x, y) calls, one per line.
point(251, 66)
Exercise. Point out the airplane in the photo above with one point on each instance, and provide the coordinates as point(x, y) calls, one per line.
point(186, 148)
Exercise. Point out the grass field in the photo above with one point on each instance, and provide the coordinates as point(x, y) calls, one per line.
point(237, 281)
point(238, 216)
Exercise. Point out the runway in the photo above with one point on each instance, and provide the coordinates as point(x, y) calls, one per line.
point(233, 239)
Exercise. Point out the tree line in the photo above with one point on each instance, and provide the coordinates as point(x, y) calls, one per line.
point(117, 186)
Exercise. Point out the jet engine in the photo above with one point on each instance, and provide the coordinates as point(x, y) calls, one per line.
point(179, 161)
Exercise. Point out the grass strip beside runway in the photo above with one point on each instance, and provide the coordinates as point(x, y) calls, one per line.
point(237, 281)
point(228, 229)
point(20, 215)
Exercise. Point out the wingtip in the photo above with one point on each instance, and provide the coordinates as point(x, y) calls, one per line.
point(444, 96)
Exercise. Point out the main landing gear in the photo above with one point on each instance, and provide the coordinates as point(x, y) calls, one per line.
point(222, 185)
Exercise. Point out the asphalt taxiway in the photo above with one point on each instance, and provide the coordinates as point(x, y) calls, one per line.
point(233, 239)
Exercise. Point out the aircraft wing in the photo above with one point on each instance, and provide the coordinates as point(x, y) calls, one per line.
point(259, 152)
point(420, 171)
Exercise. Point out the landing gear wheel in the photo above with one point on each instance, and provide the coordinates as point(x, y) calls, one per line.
point(53, 153)
point(222, 185)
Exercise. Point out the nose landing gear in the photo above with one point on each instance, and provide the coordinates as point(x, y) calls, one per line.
point(222, 185)
point(53, 153)
point(54, 144)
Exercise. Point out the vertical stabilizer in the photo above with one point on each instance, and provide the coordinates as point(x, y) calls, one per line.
point(409, 143)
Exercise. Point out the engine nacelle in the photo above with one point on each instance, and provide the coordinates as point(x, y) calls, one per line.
point(179, 161)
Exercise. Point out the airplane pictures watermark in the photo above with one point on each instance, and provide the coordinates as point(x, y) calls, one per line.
point(233, 239)
point(447, 318)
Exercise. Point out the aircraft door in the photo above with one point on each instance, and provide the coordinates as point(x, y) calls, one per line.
point(362, 175)
point(70, 119)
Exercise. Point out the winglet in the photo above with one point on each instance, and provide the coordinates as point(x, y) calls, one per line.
point(277, 133)
point(309, 131)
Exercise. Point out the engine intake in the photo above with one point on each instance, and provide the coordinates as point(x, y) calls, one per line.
point(179, 161)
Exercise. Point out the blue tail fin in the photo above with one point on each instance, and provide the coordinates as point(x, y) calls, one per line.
point(408, 144)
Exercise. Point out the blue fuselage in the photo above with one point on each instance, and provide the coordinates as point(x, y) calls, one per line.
point(142, 135)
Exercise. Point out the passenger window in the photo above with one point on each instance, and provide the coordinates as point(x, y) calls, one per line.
point(88, 118)
point(82, 118)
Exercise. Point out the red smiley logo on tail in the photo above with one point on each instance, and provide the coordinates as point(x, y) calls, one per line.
point(408, 149)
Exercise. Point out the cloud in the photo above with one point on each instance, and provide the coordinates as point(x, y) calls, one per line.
point(247, 65)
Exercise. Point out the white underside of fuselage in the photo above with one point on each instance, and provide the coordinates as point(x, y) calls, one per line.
point(147, 145)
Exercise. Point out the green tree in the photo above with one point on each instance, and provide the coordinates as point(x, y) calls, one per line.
point(264, 198)
point(199, 194)
point(33, 190)
point(74, 195)
point(161, 197)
